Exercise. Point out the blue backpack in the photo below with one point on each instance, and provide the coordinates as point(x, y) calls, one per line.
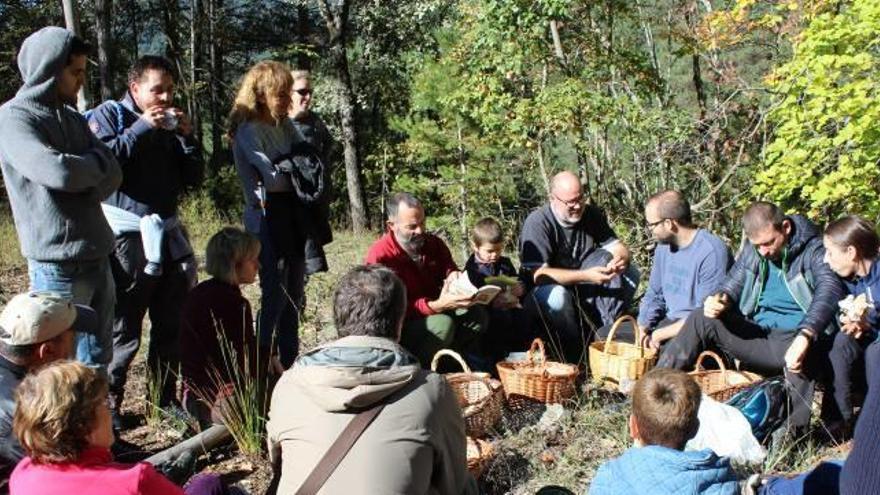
point(764, 404)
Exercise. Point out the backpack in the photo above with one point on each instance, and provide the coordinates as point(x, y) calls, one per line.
point(764, 405)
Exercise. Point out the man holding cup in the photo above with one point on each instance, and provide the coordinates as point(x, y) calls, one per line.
point(153, 263)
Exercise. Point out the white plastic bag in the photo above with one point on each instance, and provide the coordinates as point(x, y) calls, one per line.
point(727, 432)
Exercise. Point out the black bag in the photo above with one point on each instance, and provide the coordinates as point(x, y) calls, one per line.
point(764, 404)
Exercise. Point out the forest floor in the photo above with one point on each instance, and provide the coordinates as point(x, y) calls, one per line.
point(528, 453)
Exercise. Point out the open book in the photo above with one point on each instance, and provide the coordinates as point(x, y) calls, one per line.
point(464, 287)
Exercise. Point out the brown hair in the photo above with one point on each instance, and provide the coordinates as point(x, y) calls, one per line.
point(857, 232)
point(665, 404)
point(672, 205)
point(761, 214)
point(487, 231)
point(56, 409)
point(227, 248)
point(369, 300)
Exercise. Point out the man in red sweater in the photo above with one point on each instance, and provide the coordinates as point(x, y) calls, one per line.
point(435, 319)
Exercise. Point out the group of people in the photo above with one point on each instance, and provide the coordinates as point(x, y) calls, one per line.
point(95, 203)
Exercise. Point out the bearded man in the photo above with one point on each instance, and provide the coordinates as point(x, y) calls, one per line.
point(435, 318)
point(579, 271)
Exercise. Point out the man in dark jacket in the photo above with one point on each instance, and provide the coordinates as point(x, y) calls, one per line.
point(153, 263)
point(774, 309)
point(35, 329)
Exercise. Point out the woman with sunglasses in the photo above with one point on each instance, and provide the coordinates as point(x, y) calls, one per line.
point(313, 152)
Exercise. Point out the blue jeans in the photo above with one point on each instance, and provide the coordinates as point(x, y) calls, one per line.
point(282, 284)
point(824, 479)
point(89, 283)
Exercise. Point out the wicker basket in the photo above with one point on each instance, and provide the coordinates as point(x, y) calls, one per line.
point(613, 362)
point(481, 397)
point(536, 378)
point(479, 453)
point(721, 384)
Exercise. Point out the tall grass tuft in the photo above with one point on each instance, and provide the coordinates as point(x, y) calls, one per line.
point(244, 398)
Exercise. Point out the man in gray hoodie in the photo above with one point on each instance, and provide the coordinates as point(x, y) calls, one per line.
point(56, 173)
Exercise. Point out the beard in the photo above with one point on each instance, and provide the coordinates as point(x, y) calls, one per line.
point(411, 243)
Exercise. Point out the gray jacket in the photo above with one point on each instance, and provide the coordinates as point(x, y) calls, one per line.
point(415, 445)
point(56, 171)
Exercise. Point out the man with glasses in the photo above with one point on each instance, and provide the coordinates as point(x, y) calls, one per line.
point(689, 265)
point(577, 267)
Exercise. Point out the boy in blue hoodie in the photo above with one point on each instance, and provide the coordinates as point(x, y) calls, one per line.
point(663, 419)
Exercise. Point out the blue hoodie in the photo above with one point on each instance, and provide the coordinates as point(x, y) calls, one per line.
point(656, 470)
point(56, 171)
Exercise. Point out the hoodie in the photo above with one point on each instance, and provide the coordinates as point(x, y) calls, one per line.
point(56, 171)
point(656, 470)
point(415, 445)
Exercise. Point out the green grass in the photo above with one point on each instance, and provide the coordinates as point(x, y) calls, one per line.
point(10, 253)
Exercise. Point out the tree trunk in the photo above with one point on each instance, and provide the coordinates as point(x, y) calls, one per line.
point(195, 58)
point(336, 20)
point(303, 62)
point(216, 75)
point(102, 30)
point(71, 21)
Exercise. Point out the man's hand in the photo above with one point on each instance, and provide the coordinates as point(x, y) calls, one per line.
point(598, 275)
point(715, 305)
point(617, 265)
point(797, 351)
point(448, 301)
point(154, 116)
point(184, 124)
point(518, 290)
point(855, 329)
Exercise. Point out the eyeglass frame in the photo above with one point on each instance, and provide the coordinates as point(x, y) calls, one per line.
point(303, 91)
point(649, 226)
point(579, 201)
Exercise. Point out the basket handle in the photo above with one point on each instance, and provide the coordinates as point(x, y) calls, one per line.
point(716, 357)
point(537, 347)
point(636, 333)
point(453, 355)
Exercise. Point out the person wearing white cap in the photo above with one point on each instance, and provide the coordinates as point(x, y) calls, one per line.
point(35, 329)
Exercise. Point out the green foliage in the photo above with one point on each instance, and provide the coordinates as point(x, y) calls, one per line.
point(826, 148)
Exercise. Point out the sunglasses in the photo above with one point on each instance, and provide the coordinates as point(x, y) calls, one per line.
point(303, 91)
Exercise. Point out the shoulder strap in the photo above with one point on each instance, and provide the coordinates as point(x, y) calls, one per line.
point(338, 451)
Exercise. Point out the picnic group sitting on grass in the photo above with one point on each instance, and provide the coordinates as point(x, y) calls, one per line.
point(95, 203)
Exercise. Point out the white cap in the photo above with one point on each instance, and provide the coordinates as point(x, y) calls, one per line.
point(40, 316)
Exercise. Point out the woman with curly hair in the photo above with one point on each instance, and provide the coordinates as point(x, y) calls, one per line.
point(62, 420)
point(263, 138)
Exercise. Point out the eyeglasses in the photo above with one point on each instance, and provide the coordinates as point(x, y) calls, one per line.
point(303, 91)
point(578, 201)
point(650, 225)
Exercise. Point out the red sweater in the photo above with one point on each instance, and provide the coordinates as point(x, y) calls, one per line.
point(94, 473)
point(423, 281)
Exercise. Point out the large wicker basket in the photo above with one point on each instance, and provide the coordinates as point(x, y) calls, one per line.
point(536, 378)
point(481, 397)
point(723, 383)
point(479, 453)
point(615, 362)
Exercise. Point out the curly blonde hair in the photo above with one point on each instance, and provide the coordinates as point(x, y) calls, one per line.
point(265, 78)
point(56, 410)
